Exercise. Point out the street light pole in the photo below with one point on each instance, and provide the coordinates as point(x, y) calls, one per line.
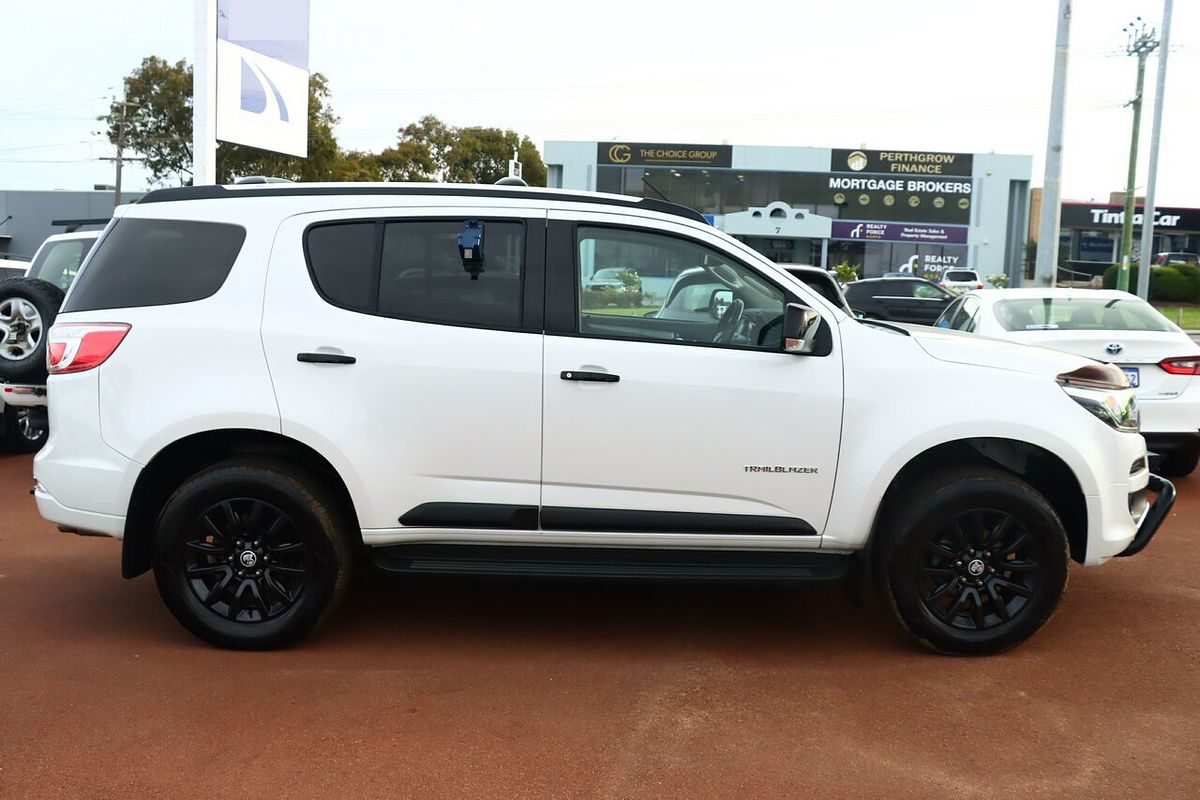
point(1143, 282)
point(1045, 271)
point(1141, 43)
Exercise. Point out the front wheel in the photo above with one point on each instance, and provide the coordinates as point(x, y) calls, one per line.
point(1181, 462)
point(972, 562)
point(251, 555)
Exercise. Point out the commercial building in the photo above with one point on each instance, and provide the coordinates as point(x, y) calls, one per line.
point(27, 217)
point(1090, 233)
point(882, 210)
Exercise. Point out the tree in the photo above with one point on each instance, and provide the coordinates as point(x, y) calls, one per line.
point(158, 125)
point(429, 150)
point(158, 118)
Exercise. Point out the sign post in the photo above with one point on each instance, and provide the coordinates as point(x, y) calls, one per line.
point(204, 95)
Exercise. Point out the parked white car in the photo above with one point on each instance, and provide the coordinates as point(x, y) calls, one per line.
point(1161, 362)
point(961, 280)
point(250, 383)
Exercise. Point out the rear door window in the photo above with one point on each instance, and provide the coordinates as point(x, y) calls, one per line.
point(157, 262)
point(58, 262)
point(412, 269)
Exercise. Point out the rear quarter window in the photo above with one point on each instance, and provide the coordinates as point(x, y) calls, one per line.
point(157, 262)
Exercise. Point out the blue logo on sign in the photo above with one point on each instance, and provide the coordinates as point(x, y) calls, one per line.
point(254, 93)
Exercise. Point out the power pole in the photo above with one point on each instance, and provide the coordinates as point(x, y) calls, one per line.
point(1046, 270)
point(1143, 283)
point(121, 159)
point(1142, 42)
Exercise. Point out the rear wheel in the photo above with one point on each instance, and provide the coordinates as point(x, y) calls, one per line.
point(1177, 463)
point(23, 433)
point(973, 562)
point(251, 555)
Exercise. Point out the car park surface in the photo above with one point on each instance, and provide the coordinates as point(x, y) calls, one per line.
point(523, 688)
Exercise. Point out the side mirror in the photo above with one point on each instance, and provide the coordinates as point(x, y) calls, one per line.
point(800, 325)
point(718, 302)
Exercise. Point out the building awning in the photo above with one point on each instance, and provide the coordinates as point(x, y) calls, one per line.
point(778, 221)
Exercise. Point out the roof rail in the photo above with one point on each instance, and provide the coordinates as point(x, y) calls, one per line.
point(465, 190)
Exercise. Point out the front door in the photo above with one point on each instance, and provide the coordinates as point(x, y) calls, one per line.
point(418, 380)
point(670, 407)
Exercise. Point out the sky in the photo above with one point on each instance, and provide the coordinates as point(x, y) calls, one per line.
point(970, 76)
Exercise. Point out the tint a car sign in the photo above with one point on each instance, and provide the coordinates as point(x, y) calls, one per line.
point(902, 162)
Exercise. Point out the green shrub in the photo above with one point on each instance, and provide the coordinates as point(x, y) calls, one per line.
point(611, 296)
point(846, 272)
point(1178, 282)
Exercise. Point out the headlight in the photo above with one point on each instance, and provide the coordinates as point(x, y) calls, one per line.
point(1104, 391)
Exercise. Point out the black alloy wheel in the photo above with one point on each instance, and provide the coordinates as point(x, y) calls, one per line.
point(246, 560)
point(971, 560)
point(980, 569)
point(252, 554)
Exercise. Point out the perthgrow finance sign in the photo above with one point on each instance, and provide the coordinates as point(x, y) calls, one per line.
point(262, 74)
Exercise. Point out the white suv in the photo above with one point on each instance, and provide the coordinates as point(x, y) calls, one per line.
point(250, 383)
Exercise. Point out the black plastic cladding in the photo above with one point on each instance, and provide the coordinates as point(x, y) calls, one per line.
point(278, 190)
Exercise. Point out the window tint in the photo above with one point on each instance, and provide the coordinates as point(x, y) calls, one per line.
point(822, 285)
point(156, 262)
point(343, 259)
point(894, 287)
point(967, 316)
point(928, 291)
point(961, 275)
point(58, 262)
point(423, 277)
point(711, 299)
point(950, 315)
point(416, 272)
point(1080, 314)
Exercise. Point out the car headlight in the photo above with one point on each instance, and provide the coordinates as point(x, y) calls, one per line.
point(1103, 390)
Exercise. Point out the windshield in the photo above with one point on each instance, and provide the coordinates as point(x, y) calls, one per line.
point(58, 262)
point(1079, 314)
point(961, 275)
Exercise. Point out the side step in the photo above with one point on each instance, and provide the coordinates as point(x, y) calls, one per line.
point(613, 563)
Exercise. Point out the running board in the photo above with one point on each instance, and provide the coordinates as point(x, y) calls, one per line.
point(613, 563)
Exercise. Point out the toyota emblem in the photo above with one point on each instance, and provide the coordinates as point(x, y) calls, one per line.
point(1114, 348)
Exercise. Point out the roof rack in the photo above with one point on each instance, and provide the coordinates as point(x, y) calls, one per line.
point(466, 190)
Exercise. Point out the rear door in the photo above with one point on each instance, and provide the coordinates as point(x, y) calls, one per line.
point(420, 380)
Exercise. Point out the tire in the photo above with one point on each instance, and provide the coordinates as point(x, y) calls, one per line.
point(972, 562)
point(21, 434)
point(1178, 463)
point(28, 307)
point(276, 525)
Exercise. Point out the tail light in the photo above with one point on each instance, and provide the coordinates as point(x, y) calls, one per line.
point(75, 347)
point(979, 286)
point(1181, 365)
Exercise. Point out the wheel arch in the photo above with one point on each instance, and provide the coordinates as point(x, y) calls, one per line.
point(174, 463)
point(1042, 469)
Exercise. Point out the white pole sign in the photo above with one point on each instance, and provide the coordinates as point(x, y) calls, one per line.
point(262, 74)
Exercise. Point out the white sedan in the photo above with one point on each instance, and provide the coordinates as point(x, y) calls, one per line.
point(1160, 360)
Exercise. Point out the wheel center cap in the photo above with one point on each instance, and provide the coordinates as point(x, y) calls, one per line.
point(976, 567)
point(248, 558)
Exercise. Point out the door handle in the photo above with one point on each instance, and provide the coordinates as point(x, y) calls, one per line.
point(324, 358)
point(594, 377)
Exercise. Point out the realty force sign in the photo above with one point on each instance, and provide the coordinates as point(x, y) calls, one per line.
point(897, 232)
point(262, 74)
